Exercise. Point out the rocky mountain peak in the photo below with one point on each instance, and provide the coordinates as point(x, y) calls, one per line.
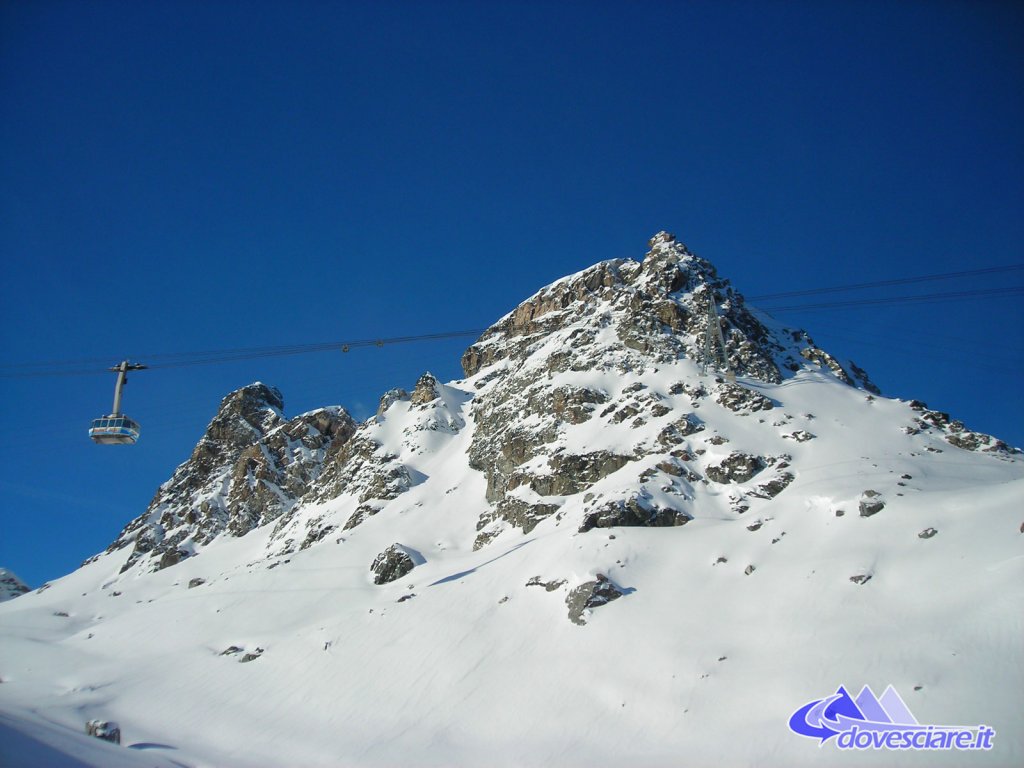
point(428, 388)
point(649, 312)
point(245, 415)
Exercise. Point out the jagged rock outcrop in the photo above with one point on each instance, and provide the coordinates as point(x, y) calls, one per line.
point(737, 467)
point(589, 595)
point(393, 563)
point(953, 431)
point(105, 730)
point(249, 468)
point(638, 510)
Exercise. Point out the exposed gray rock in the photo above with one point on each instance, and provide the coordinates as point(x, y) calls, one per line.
point(871, 503)
point(549, 586)
point(927, 533)
point(519, 513)
point(589, 595)
point(825, 360)
point(773, 487)
point(251, 656)
point(317, 531)
point(737, 467)
point(249, 468)
point(634, 511)
point(389, 398)
point(954, 432)
point(391, 564)
point(107, 730)
point(359, 466)
point(737, 398)
point(567, 403)
point(570, 473)
point(677, 432)
point(861, 578)
point(428, 389)
point(198, 581)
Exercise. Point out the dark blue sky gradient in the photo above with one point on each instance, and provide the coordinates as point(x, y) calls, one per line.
point(180, 176)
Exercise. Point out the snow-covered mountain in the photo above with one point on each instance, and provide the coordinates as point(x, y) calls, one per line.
point(10, 585)
point(584, 552)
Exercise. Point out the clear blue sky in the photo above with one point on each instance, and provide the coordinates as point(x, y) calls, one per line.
point(181, 176)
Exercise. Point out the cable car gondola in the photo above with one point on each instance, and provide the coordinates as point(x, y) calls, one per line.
point(117, 429)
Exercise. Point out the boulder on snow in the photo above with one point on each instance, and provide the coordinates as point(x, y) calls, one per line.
point(591, 594)
point(104, 729)
point(391, 564)
point(871, 503)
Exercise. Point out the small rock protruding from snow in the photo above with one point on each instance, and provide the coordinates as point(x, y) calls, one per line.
point(871, 503)
point(251, 656)
point(392, 564)
point(927, 533)
point(549, 586)
point(589, 595)
point(104, 729)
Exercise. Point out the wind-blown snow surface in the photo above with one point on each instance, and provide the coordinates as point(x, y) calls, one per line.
point(699, 663)
point(759, 586)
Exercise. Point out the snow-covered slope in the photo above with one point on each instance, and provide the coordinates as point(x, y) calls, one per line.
point(585, 552)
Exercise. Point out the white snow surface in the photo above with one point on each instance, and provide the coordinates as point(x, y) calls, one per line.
point(727, 625)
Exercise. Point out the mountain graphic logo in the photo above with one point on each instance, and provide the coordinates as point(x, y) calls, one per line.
point(881, 722)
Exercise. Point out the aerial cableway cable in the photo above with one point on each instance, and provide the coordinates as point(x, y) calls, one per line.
point(83, 367)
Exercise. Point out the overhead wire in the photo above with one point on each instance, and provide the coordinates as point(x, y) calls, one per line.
point(237, 354)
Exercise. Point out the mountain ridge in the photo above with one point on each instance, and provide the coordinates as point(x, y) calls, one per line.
point(253, 467)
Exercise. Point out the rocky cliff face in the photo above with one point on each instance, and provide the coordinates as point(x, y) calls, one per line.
point(587, 406)
point(623, 320)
